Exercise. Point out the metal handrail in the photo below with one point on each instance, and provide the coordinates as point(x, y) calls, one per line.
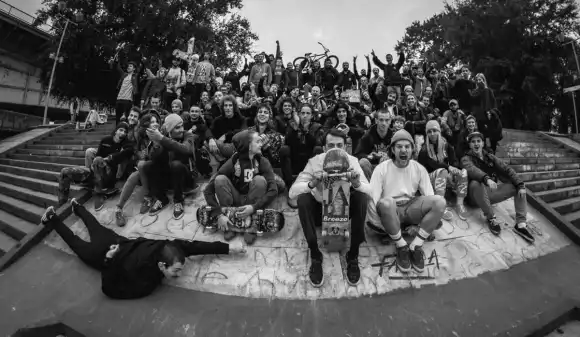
point(23, 17)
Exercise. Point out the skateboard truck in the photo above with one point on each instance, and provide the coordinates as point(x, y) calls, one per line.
point(206, 216)
point(258, 220)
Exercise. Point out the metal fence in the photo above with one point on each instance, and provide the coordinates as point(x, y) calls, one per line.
point(23, 17)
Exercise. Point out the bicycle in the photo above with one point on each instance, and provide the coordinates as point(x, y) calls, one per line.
point(310, 59)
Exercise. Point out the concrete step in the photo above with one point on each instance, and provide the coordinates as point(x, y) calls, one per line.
point(104, 132)
point(27, 172)
point(58, 153)
point(22, 209)
point(553, 153)
point(75, 147)
point(71, 136)
point(550, 184)
point(36, 165)
point(545, 167)
point(544, 175)
point(44, 186)
point(519, 144)
point(14, 226)
point(567, 205)
point(61, 141)
point(539, 160)
point(559, 194)
point(27, 195)
point(50, 159)
point(6, 243)
point(574, 218)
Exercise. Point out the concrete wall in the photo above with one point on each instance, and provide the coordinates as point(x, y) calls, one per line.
point(14, 121)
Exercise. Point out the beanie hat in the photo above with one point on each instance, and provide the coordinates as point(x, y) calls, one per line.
point(178, 102)
point(171, 122)
point(402, 135)
point(122, 125)
point(433, 124)
point(473, 135)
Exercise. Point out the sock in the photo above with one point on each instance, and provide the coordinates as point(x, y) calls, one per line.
point(522, 225)
point(315, 253)
point(422, 235)
point(398, 239)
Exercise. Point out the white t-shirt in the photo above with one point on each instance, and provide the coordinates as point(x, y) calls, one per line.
point(401, 184)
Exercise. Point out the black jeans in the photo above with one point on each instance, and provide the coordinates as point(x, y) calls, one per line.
point(286, 165)
point(122, 108)
point(310, 214)
point(176, 176)
point(92, 253)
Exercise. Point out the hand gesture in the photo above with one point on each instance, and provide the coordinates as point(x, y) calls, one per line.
point(213, 146)
point(223, 222)
point(522, 193)
point(154, 135)
point(492, 184)
point(112, 251)
point(367, 121)
point(244, 211)
point(354, 57)
point(367, 57)
point(237, 248)
point(193, 128)
point(354, 178)
point(373, 52)
point(316, 179)
point(277, 42)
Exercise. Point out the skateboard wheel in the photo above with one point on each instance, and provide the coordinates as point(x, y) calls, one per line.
point(348, 175)
point(324, 175)
point(324, 233)
point(347, 234)
point(259, 233)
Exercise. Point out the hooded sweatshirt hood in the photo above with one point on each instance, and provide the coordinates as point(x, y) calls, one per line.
point(241, 142)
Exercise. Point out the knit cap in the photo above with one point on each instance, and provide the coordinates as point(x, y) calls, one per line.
point(433, 124)
point(402, 135)
point(171, 121)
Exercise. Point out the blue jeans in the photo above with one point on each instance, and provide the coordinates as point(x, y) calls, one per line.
point(483, 197)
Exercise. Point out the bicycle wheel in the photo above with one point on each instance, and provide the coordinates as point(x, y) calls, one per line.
point(299, 60)
point(334, 60)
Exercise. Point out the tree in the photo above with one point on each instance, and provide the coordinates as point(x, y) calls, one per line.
point(514, 43)
point(149, 29)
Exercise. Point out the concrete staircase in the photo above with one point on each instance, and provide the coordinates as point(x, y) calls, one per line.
point(29, 179)
point(549, 169)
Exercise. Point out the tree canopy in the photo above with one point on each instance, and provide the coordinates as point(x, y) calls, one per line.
point(514, 43)
point(147, 28)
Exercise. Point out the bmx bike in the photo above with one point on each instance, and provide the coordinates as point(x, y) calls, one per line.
point(311, 58)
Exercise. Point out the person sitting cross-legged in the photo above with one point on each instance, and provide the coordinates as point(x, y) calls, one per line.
point(307, 189)
point(246, 180)
point(438, 157)
point(372, 148)
point(130, 268)
point(484, 171)
point(394, 184)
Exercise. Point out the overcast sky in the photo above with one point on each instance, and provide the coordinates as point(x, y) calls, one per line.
point(347, 28)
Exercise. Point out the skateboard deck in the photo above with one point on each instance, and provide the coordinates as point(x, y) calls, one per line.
point(262, 221)
point(348, 144)
point(335, 200)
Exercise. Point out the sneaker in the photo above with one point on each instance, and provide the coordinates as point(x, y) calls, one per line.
point(99, 202)
point(157, 207)
point(178, 211)
point(418, 259)
point(145, 205)
point(315, 273)
point(229, 235)
point(49, 213)
point(404, 259)
point(494, 225)
point(461, 211)
point(74, 205)
point(524, 233)
point(352, 271)
point(447, 215)
point(250, 238)
point(293, 203)
point(120, 218)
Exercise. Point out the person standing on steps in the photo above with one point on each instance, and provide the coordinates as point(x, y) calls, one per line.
point(130, 268)
point(246, 180)
point(127, 89)
point(395, 184)
point(485, 171)
point(307, 189)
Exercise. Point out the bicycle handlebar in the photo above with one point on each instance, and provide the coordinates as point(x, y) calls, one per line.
point(325, 49)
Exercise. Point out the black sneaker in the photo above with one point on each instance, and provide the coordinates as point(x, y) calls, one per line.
point(494, 225)
point(120, 218)
point(418, 259)
point(352, 271)
point(145, 205)
point(524, 233)
point(404, 259)
point(178, 211)
point(48, 215)
point(315, 273)
point(157, 207)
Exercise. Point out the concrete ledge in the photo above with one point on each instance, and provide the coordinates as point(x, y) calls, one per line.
point(38, 234)
point(553, 317)
point(4, 151)
point(553, 138)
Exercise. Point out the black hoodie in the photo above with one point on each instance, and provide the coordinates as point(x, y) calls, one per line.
point(228, 126)
point(372, 142)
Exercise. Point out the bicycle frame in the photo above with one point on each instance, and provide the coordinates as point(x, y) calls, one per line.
point(318, 57)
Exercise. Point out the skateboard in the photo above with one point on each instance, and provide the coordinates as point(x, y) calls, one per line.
point(262, 221)
point(335, 200)
point(348, 145)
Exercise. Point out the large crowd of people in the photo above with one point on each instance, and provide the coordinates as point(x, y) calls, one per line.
point(413, 132)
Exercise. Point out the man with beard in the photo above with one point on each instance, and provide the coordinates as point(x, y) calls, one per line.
point(455, 120)
point(291, 77)
point(375, 78)
point(373, 146)
point(391, 71)
point(329, 77)
point(156, 106)
point(308, 190)
point(260, 71)
point(363, 72)
point(246, 180)
point(175, 80)
point(394, 184)
point(346, 79)
point(391, 104)
point(224, 127)
point(485, 171)
point(462, 87)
